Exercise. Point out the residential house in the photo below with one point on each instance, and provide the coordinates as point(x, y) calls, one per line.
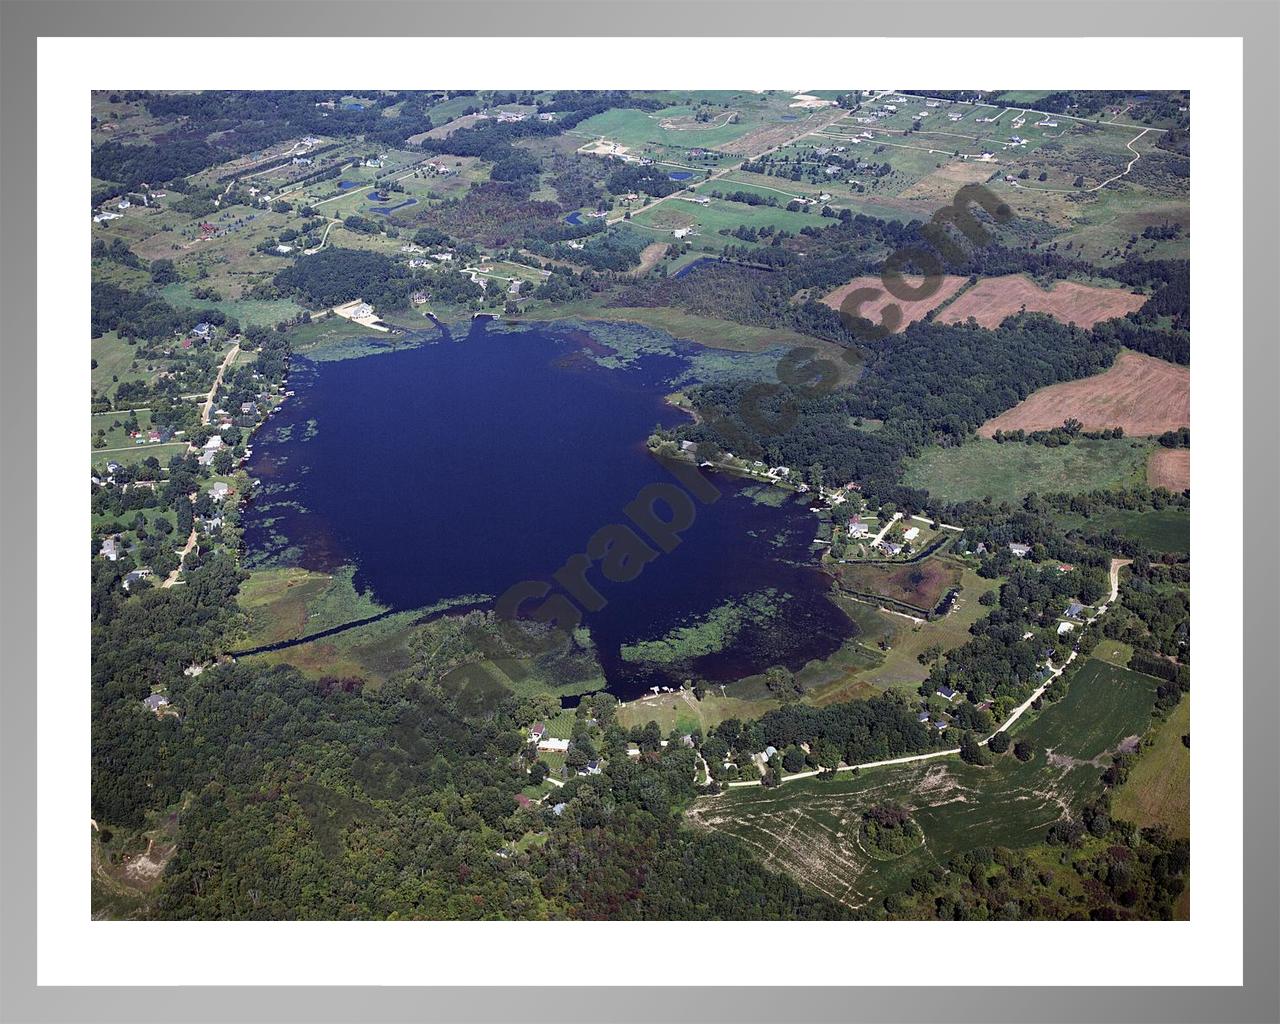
point(553, 744)
point(911, 534)
point(1020, 550)
point(1074, 610)
point(946, 693)
point(133, 577)
point(156, 701)
point(219, 491)
point(1065, 627)
point(111, 548)
point(537, 731)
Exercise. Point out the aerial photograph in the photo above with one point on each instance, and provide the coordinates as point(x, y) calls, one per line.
point(666, 505)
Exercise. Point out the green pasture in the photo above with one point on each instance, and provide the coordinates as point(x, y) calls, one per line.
point(1008, 472)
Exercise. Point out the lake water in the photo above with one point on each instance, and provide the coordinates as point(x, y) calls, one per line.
point(465, 466)
point(680, 175)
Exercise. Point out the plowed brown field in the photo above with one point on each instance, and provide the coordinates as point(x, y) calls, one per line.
point(995, 298)
point(1171, 468)
point(911, 311)
point(1142, 394)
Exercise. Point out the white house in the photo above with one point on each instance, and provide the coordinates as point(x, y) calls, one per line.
point(553, 744)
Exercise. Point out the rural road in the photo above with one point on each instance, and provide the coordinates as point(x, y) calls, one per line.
point(206, 410)
point(182, 557)
point(1116, 564)
point(886, 528)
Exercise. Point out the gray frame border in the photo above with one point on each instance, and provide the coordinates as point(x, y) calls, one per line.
point(1256, 21)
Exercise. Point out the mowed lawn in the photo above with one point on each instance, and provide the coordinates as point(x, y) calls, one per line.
point(1158, 790)
point(1007, 472)
point(809, 828)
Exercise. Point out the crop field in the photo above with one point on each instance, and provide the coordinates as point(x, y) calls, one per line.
point(993, 299)
point(1171, 468)
point(912, 310)
point(1140, 393)
point(1008, 472)
point(1158, 790)
point(809, 828)
point(921, 585)
point(1163, 531)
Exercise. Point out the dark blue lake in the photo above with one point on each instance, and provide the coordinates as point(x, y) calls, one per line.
point(466, 466)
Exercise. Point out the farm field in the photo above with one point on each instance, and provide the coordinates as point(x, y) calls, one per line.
point(1008, 472)
point(809, 828)
point(1140, 393)
point(993, 299)
point(1158, 790)
point(1163, 531)
point(1171, 468)
point(912, 310)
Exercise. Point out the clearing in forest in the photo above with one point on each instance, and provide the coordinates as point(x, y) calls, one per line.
point(991, 300)
point(1140, 393)
point(911, 310)
point(1171, 468)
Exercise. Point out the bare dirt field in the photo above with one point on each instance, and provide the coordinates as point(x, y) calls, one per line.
point(778, 133)
point(911, 311)
point(990, 301)
point(1171, 468)
point(649, 257)
point(947, 180)
point(1142, 394)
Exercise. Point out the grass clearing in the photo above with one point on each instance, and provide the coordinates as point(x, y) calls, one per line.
point(1158, 790)
point(1163, 531)
point(1008, 472)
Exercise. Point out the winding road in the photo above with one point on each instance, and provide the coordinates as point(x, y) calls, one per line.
point(1018, 712)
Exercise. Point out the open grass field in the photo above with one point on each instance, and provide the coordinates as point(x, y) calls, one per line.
point(920, 585)
point(1140, 393)
point(673, 126)
point(1163, 531)
point(993, 299)
point(133, 454)
point(1171, 468)
point(1008, 472)
point(683, 711)
point(809, 828)
point(1158, 790)
point(912, 310)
